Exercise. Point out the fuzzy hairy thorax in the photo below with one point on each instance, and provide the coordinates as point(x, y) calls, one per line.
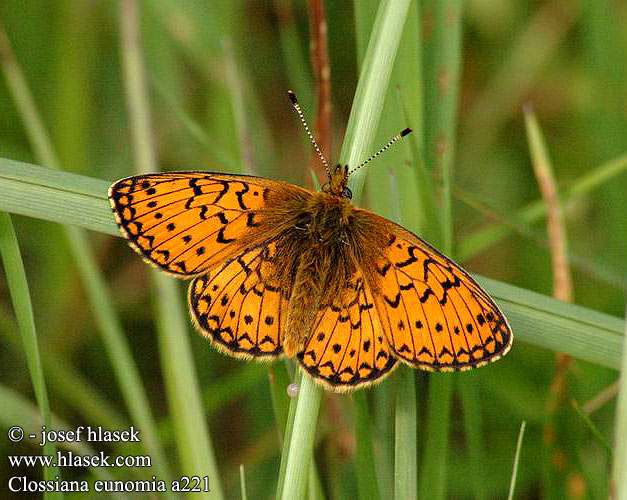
point(322, 239)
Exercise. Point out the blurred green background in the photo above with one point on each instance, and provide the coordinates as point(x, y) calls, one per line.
point(217, 74)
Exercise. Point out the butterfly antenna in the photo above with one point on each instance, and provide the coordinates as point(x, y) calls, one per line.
point(294, 102)
point(397, 137)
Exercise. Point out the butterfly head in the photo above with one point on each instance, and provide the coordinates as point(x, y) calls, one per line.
point(338, 181)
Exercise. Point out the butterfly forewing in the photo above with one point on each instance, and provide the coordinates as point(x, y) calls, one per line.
point(435, 316)
point(347, 348)
point(185, 222)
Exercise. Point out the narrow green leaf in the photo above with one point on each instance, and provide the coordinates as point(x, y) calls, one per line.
point(365, 468)
point(300, 451)
point(619, 467)
point(405, 448)
point(512, 483)
point(242, 482)
point(468, 390)
point(287, 436)
point(20, 295)
point(477, 242)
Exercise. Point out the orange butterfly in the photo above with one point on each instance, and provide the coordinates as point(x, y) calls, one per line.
point(279, 269)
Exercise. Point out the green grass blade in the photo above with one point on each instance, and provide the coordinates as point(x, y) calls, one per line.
point(300, 450)
point(365, 468)
point(61, 197)
point(468, 390)
point(287, 437)
point(20, 295)
point(477, 242)
point(405, 429)
point(619, 467)
point(242, 482)
point(360, 131)
point(372, 88)
point(512, 483)
point(558, 326)
point(433, 474)
point(594, 429)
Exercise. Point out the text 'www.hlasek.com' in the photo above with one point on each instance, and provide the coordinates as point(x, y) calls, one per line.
point(76, 448)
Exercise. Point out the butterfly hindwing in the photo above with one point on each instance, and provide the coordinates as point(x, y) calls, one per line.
point(435, 316)
point(185, 222)
point(239, 306)
point(347, 348)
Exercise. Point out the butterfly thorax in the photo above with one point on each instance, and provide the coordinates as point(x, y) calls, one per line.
point(333, 239)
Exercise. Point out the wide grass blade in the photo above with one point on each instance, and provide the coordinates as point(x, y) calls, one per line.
point(372, 87)
point(20, 295)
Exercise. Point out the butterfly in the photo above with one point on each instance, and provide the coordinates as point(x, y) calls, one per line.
point(277, 269)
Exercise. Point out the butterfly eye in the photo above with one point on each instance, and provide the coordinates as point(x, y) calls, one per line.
point(347, 193)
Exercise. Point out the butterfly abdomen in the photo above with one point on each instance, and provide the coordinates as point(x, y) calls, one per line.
point(306, 294)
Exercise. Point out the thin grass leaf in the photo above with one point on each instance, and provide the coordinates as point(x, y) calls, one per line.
point(242, 482)
point(287, 436)
point(470, 397)
point(512, 483)
point(20, 295)
point(594, 429)
point(562, 281)
point(433, 473)
point(405, 430)
point(618, 485)
point(549, 323)
point(482, 239)
point(300, 451)
point(365, 469)
point(55, 196)
point(556, 425)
